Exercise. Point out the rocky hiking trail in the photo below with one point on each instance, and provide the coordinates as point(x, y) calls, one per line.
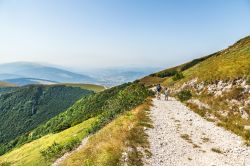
point(181, 137)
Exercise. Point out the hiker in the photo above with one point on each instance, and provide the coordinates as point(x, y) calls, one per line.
point(165, 92)
point(158, 91)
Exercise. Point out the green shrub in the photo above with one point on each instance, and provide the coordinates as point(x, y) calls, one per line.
point(56, 150)
point(184, 95)
point(248, 80)
point(167, 73)
point(52, 151)
point(178, 76)
point(247, 135)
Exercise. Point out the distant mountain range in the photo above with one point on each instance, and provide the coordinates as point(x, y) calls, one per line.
point(22, 73)
point(119, 75)
point(28, 81)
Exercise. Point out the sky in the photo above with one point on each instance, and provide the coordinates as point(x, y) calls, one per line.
point(84, 34)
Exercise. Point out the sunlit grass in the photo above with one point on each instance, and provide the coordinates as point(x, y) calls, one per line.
point(228, 64)
point(107, 145)
point(30, 153)
point(93, 87)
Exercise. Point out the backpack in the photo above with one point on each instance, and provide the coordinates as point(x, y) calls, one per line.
point(158, 88)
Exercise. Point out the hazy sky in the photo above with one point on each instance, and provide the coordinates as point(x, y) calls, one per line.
point(102, 33)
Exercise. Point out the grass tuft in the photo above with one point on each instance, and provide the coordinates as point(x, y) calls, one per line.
point(216, 150)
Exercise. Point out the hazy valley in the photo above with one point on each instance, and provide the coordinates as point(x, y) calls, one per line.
point(119, 125)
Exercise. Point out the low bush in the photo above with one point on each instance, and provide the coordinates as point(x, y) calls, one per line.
point(56, 150)
point(167, 73)
point(184, 95)
point(178, 76)
point(247, 135)
point(248, 80)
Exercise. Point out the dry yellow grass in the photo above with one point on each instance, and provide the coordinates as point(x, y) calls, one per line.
point(107, 145)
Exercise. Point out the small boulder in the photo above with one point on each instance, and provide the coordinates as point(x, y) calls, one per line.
point(247, 127)
point(247, 88)
point(243, 113)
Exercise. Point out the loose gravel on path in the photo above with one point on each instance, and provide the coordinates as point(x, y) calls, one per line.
point(181, 137)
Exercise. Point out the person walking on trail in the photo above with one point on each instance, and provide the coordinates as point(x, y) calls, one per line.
point(166, 93)
point(158, 91)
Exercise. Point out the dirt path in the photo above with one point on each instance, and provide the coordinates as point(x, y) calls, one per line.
point(61, 159)
point(181, 137)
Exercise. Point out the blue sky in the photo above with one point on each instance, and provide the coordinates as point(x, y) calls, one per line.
point(108, 33)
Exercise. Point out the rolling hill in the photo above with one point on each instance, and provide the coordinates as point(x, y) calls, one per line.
point(65, 131)
point(24, 70)
point(29, 81)
point(6, 84)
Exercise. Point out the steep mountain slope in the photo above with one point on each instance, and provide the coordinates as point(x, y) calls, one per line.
point(29, 81)
point(228, 64)
point(24, 108)
point(86, 116)
point(216, 87)
point(38, 71)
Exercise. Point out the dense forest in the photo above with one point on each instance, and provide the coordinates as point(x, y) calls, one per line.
point(23, 109)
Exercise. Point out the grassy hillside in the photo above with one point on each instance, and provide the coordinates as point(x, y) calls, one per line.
point(105, 106)
point(228, 64)
point(231, 63)
point(24, 108)
point(30, 154)
point(93, 87)
point(125, 132)
point(216, 87)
